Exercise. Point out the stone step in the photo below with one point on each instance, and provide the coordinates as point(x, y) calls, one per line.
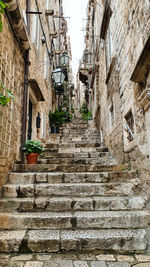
point(81, 149)
point(76, 150)
point(73, 203)
point(65, 168)
point(46, 241)
point(73, 145)
point(78, 161)
point(76, 220)
point(72, 189)
point(75, 155)
point(104, 240)
point(64, 177)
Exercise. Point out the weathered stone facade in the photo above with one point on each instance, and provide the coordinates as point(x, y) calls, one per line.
point(42, 35)
point(118, 36)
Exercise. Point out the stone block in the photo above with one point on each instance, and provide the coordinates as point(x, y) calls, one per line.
point(26, 190)
point(44, 241)
point(54, 177)
point(80, 264)
point(143, 258)
point(82, 204)
point(14, 264)
point(142, 264)
point(41, 177)
point(21, 178)
point(22, 258)
point(65, 263)
point(10, 241)
point(59, 204)
point(10, 190)
point(41, 257)
point(125, 258)
point(117, 240)
point(40, 203)
point(34, 264)
point(112, 219)
point(98, 264)
point(105, 257)
point(119, 264)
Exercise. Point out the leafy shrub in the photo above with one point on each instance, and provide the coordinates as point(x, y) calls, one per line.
point(32, 146)
point(57, 118)
point(86, 114)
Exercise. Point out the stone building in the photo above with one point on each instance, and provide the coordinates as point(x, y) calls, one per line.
point(32, 40)
point(118, 52)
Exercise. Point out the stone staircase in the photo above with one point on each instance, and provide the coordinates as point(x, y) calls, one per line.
point(76, 199)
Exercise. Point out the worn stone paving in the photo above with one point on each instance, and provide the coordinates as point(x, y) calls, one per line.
point(74, 260)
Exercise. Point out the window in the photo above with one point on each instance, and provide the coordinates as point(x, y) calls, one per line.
point(43, 129)
point(36, 32)
point(24, 16)
point(129, 125)
point(101, 136)
point(46, 66)
point(111, 115)
point(109, 48)
point(47, 4)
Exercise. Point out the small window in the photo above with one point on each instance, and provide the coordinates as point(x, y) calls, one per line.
point(43, 126)
point(36, 32)
point(46, 66)
point(24, 16)
point(101, 136)
point(129, 125)
point(109, 48)
point(47, 4)
point(111, 115)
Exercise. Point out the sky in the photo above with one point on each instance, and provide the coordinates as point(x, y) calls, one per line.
point(76, 10)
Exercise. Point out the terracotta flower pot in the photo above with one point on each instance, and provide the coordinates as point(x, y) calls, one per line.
point(32, 158)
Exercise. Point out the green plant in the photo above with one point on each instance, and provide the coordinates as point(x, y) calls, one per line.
point(86, 114)
point(5, 99)
point(58, 117)
point(3, 5)
point(32, 146)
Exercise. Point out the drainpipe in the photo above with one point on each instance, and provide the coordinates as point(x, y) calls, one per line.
point(25, 94)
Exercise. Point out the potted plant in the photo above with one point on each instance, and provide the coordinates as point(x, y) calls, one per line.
point(55, 121)
point(32, 150)
point(57, 118)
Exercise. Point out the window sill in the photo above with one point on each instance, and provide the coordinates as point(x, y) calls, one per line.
point(36, 50)
point(110, 69)
point(130, 146)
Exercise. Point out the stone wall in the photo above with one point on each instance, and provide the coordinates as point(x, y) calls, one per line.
point(12, 76)
point(124, 30)
point(129, 30)
point(42, 60)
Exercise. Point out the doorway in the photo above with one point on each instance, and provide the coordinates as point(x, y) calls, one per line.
point(30, 113)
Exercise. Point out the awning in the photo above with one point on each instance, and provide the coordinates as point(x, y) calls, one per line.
point(36, 89)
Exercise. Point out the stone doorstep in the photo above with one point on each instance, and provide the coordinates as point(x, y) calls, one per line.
point(77, 220)
point(55, 241)
point(58, 177)
point(73, 204)
point(71, 189)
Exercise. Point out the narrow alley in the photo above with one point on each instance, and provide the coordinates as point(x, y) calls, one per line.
point(74, 147)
